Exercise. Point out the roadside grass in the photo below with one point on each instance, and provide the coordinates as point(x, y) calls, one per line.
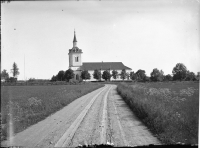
point(23, 106)
point(169, 110)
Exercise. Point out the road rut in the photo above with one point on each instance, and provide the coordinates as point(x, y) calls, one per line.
point(99, 117)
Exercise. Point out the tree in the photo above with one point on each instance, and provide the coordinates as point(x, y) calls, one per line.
point(61, 75)
point(85, 75)
point(168, 77)
point(133, 75)
point(128, 75)
point(141, 75)
point(198, 75)
point(157, 75)
point(4, 75)
point(190, 76)
point(114, 74)
point(97, 74)
point(123, 74)
point(31, 80)
point(15, 70)
point(12, 79)
point(162, 74)
point(69, 74)
point(106, 75)
point(179, 71)
point(53, 78)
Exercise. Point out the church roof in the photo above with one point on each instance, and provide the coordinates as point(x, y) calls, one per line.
point(75, 50)
point(104, 66)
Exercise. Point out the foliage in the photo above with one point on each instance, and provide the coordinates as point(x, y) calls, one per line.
point(53, 78)
point(12, 79)
point(61, 75)
point(141, 75)
point(106, 75)
point(4, 75)
point(157, 75)
point(29, 105)
point(169, 110)
point(31, 80)
point(15, 70)
point(190, 76)
point(179, 71)
point(198, 75)
point(123, 74)
point(85, 75)
point(133, 76)
point(69, 74)
point(168, 77)
point(114, 74)
point(97, 74)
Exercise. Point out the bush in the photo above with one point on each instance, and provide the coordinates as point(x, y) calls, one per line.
point(73, 82)
point(172, 115)
point(12, 79)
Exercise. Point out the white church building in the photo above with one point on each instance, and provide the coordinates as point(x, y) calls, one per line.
point(76, 64)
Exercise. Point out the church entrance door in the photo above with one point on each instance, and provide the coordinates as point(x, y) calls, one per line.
point(77, 77)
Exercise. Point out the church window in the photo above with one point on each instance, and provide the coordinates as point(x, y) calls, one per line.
point(76, 59)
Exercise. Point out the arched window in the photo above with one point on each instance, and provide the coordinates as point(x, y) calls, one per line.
point(76, 59)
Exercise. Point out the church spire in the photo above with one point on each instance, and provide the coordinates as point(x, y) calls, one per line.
point(74, 36)
point(74, 41)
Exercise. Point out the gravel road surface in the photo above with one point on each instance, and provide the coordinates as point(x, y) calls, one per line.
point(99, 117)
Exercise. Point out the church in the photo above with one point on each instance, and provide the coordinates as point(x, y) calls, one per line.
point(76, 64)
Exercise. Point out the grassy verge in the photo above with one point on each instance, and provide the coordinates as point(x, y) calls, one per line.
point(169, 110)
point(24, 106)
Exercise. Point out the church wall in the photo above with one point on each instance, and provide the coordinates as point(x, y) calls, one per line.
point(118, 78)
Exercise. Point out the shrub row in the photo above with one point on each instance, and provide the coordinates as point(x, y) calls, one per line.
point(169, 118)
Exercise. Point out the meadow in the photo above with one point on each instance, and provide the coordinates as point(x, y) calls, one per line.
point(24, 106)
point(170, 110)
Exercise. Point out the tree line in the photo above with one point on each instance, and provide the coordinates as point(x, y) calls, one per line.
point(85, 75)
point(179, 72)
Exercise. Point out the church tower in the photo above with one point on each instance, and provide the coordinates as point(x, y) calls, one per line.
point(75, 60)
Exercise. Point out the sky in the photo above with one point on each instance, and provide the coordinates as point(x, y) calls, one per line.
point(143, 34)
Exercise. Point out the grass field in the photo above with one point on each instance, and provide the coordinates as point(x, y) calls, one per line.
point(169, 110)
point(23, 106)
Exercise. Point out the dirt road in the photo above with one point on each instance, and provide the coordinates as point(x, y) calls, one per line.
point(96, 118)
